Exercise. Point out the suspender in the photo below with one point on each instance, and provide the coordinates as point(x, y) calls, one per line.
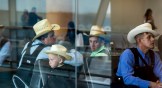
point(151, 54)
point(137, 55)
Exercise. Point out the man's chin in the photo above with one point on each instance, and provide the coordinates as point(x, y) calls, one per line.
point(93, 49)
point(152, 47)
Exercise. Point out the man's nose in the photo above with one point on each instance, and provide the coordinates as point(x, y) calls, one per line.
point(152, 38)
point(92, 43)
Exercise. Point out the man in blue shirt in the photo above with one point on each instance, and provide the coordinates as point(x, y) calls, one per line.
point(143, 36)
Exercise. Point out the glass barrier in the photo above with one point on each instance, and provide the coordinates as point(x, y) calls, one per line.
point(26, 63)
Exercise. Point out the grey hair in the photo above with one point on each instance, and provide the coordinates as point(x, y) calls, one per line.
point(139, 36)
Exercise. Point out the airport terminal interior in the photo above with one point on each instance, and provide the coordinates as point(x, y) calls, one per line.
point(76, 18)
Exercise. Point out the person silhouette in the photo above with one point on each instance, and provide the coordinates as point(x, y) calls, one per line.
point(148, 18)
point(71, 32)
point(25, 17)
point(33, 17)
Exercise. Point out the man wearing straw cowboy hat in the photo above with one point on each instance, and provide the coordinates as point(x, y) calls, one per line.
point(44, 36)
point(141, 67)
point(34, 50)
point(57, 55)
point(99, 58)
point(97, 41)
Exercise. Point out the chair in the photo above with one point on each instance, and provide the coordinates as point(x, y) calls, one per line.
point(96, 72)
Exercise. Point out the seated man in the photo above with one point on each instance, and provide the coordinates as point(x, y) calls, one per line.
point(34, 50)
point(99, 61)
point(97, 42)
point(5, 47)
point(141, 67)
point(57, 55)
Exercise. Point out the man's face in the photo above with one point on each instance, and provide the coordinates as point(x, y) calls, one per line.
point(54, 60)
point(147, 41)
point(94, 43)
point(50, 39)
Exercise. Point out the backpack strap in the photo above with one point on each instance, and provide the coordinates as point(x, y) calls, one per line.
point(28, 48)
point(34, 54)
point(136, 56)
point(37, 50)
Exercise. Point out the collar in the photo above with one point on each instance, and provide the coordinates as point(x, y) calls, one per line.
point(142, 54)
point(36, 42)
point(97, 51)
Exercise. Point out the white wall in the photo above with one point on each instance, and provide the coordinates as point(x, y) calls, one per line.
point(156, 6)
point(127, 14)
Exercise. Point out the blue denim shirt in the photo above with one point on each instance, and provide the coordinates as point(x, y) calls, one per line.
point(125, 68)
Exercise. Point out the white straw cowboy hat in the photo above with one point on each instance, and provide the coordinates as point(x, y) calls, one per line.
point(146, 27)
point(96, 31)
point(42, 27)
point(59, 50)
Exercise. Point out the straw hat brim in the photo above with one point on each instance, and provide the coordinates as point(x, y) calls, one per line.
point(64, 54)
point(54, 27)
point(95, 34)
point(131, 35)
point(40, 34)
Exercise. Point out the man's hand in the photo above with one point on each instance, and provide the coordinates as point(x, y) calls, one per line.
point(155, 84)
point(159, 85)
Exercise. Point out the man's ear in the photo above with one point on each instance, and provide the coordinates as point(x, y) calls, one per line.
point(138, 40)
point(61, 60)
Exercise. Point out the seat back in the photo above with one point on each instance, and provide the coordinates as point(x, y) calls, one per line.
point(66, 71)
